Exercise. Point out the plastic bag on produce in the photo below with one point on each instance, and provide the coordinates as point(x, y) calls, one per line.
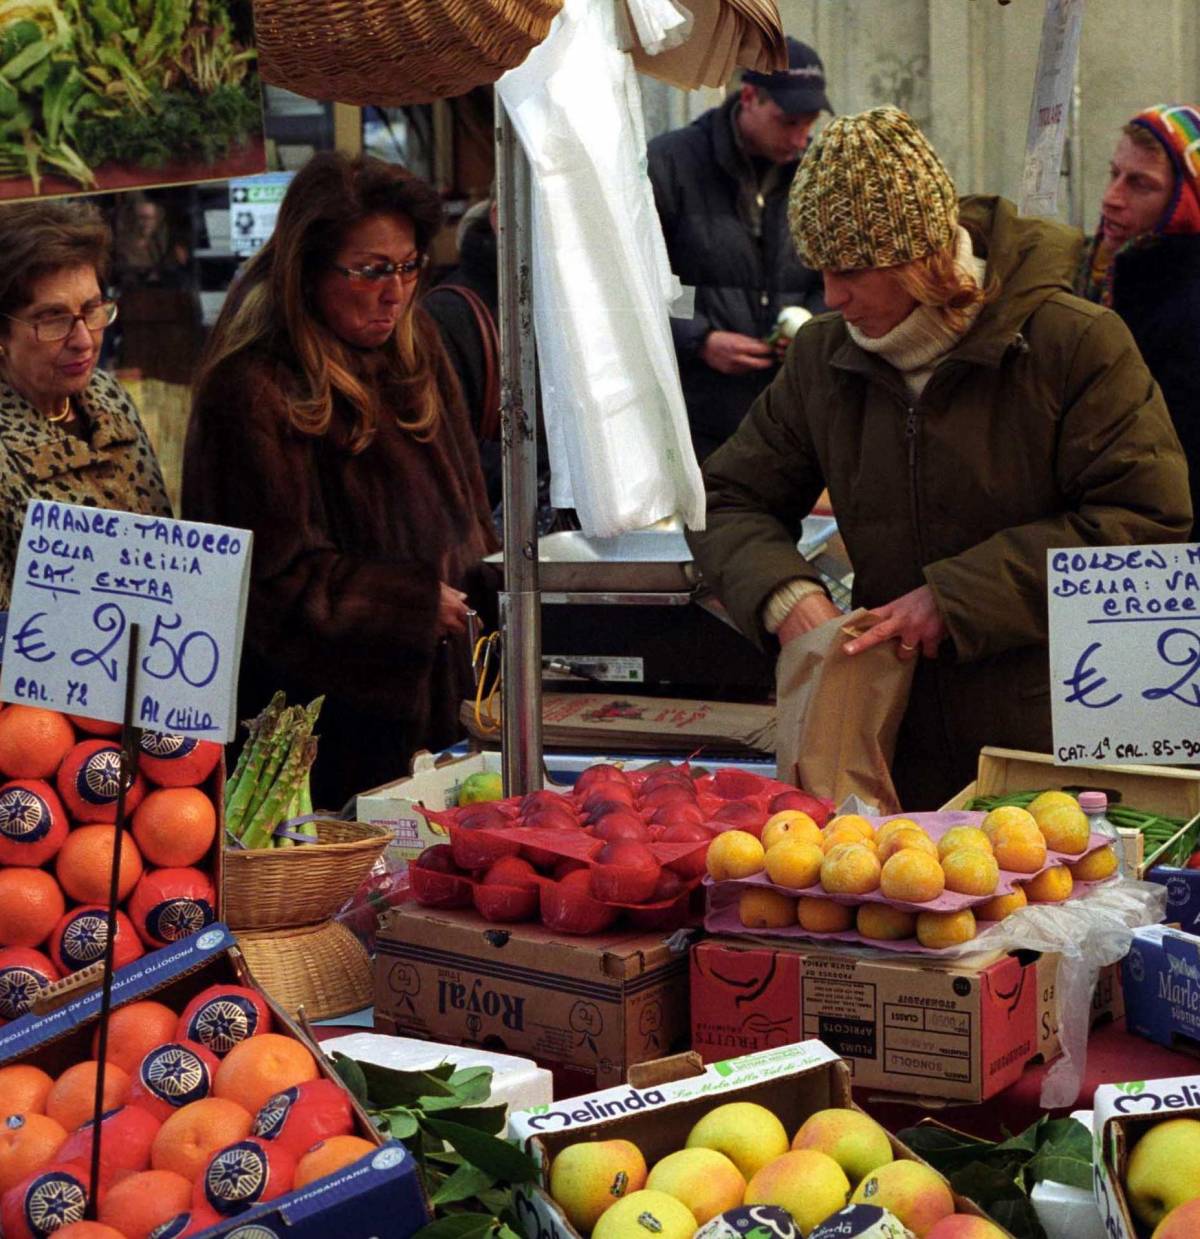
point(616, 425)
point(837, 715)
point(384, 887)
point(1089, 932)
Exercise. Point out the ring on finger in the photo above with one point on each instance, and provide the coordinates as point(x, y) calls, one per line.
point(908, 649)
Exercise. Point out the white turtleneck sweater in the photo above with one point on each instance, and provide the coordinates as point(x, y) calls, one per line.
point(913, 347)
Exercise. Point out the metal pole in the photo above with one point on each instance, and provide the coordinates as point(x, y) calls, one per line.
point(520, 601)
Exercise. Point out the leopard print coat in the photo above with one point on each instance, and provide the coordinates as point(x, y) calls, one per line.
point(114, 467)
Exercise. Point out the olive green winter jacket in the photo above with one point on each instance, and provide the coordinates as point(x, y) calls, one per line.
point(1042, 428)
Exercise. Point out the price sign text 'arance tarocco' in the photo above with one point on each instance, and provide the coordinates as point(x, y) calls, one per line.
point(84, 575)
point(1125, 653)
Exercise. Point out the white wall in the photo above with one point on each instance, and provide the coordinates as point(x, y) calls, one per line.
point(965, 70)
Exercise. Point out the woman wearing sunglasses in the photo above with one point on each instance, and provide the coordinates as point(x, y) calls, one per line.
point(67, 430)
point(327, 419)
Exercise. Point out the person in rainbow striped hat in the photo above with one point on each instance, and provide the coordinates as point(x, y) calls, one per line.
point(1144, 260)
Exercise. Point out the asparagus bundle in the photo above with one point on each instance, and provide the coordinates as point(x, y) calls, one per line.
point(270, 783)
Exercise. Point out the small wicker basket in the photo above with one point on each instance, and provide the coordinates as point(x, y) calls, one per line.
point(322, 968)
point(283, 888)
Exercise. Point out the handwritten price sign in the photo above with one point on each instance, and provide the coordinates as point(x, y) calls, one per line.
point(1125, 654)
point(84, 575)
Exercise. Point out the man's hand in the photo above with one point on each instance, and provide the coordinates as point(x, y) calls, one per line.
point(730, 352)
point(452, 611)
point(914, 618)
point(810, 612)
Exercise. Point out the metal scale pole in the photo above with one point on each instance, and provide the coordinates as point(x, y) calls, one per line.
point(520, 600)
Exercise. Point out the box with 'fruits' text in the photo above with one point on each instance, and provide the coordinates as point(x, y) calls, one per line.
point(1147, 1158)
point(233, 1168)
point(588, 1008)
point(793, 1082)
point(960, 1030)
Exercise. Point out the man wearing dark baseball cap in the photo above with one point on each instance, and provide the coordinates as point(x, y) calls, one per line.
point(721, 185)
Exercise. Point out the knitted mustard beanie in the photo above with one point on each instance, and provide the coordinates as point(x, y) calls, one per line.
point(871, 192)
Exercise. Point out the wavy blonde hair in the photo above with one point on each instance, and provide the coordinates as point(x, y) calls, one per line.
point(937, 281)
point(273, 304)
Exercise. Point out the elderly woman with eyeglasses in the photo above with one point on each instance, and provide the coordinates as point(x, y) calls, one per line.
point(67, 430)
point(328, 420)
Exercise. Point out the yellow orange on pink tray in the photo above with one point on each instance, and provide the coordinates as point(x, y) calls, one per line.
point(222, 1016)
point(170, 904)
point(171, 1076)
point(33, 822)
point(243, 1174)
point(80, 937)
point(176, 761)
point(90, 778)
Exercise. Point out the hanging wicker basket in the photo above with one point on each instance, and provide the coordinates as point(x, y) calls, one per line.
point(388, 53)
point(322, 968)
point(280, 888)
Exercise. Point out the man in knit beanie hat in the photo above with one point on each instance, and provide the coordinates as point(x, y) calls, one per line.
point(966, 412)
point(1144, 260)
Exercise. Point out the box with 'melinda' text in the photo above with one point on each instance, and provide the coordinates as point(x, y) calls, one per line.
point(657, 1113)
point(1122, 1114)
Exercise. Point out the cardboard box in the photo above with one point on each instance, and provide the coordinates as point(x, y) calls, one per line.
point(794, 1081)
point(660, 725)
point(595, 1005)
point(1169, 790)
point(1121, 1114)
point(1183, 895)
point(1161, 981)
point(957, 1030)
point(381, 1193)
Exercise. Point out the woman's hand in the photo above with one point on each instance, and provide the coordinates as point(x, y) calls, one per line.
point(810, 612)
point(914, 618)
point(452, 611)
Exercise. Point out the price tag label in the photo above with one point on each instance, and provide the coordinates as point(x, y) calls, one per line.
point(1125, 654)
point(84, 575)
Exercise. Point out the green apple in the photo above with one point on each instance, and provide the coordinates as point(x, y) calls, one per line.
point(481, 788)
point(854, 1140)
point(748, 1134)
point(1164, 1169)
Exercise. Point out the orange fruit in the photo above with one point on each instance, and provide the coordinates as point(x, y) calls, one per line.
point(330, 1156)
point(246, 1173)
point(169, 904)
point(27, 1143)
point(31, 902)
point(89, 780)
point(84, 864)
point(136, 1205)
point(71, 1099)
point(298, 1117)
point(221, 1016)
point(95, 726)
point(189, 1138)
point(89, 1230)
point(59, 1190)
point(33, 741)
point(175, 826)
point(23, 971)
point(33, 823)
point(258, 1068)
point(127, 1134)
point(80, 937)
point(23, 1089)
point(177, 761)
point(171, 1076)
point(759, 907)
point(133, 1031)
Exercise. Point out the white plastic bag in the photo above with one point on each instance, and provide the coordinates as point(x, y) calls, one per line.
point(616, 424)
point(660, 25)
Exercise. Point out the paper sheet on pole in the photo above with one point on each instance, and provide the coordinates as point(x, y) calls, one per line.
point(1125, 654)
point(1050, 111)
point(616, 425)
point(84, 575)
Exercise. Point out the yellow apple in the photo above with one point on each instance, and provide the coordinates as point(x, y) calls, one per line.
point(748, 1134)
point(808, 1184)
point(646, 1214)
point(587, 1178)
point(1164, 1169)
point(703, 1179)
point(917, 1195)
point(854, 1140)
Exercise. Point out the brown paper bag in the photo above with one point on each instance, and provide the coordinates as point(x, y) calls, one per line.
point(838, 715)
